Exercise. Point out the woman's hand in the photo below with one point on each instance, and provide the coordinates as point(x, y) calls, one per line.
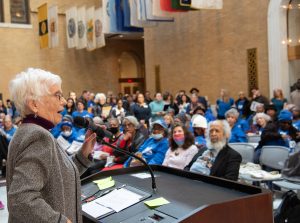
point(68, 221)
point(89, 143)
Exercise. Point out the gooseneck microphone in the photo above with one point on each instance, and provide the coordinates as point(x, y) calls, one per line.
point(101, 133)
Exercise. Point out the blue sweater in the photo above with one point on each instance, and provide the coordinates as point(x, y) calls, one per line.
point(153, 151)
point(237, 134)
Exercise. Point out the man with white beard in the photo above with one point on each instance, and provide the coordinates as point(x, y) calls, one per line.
point(218, 159)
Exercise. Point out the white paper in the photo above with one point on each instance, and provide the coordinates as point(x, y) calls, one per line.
point(142, 175)
point(97, 154)
point(94, 209)
point(119, 199)
point(63, 143)
point(75, 146)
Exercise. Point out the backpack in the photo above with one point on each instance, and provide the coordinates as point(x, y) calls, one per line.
point(289, 209)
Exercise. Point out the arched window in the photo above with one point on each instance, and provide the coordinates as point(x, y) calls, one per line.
point(293, 24)
point(19, 11)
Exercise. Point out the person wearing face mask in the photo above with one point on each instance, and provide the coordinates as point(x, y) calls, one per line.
point(182, 148)
point(199, 125)
point(67, 131)
point(153, 150)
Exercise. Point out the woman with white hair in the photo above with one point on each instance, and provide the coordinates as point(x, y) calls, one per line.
point(43, 184)
point(237, 133)
point(260, 121)
point(101, 109)
point(131, 140)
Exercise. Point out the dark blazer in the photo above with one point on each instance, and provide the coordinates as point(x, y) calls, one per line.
point(226, 165)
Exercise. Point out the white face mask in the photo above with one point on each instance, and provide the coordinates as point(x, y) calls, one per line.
point(157, 136)
point(66, 133)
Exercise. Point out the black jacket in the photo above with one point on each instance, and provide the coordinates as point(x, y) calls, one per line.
point(226, 165)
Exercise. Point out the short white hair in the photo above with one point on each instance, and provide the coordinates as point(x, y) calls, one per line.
point(31, 84)
point(225, 126)
point(261, 115)
point(232, 112)
point(132, 120)
point(98, 96)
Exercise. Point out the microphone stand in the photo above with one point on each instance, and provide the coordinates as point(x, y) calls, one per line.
point(136, 157)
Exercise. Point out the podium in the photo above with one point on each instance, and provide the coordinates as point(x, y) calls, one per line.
point(193, 198)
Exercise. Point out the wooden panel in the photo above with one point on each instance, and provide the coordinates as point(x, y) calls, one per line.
point(157, 78)
point(252, 69)
point(255, 208)
point(294, 52)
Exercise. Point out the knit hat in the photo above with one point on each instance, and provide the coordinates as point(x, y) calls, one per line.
point(66, 123)
point(270, 107)
point(68, 118)
point(160, 122)
point(285, 115)
point(199, 122)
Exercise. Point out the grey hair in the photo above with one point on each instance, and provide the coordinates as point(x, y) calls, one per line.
point(225, 126)
point(31, 84)
point(232, 112)
point(98, 96)
point(132, 120)
point(261, 115)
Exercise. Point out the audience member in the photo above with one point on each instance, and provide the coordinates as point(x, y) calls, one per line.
point(131, 140)
point(157, 107)
point(237, 133)
point(219, 159)
point(141, 110)
point(182, 148)
point(278, 100)
point(224, 103)
point(199, 124)
point(153, 150)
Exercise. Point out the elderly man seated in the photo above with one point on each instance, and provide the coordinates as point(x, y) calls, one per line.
point(218, 159)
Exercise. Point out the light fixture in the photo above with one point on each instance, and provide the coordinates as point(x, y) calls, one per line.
point(284, 6)
point(290, 40)
point(298, 40)
point(121, 36)
point(283, 42)
point(19, 14)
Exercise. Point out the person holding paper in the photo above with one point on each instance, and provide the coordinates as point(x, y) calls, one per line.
point(43, 183)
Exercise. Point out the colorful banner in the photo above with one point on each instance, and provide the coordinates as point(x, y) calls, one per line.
point(134, 21)
point(113, 17)
point(90, 29)
point(71, 22)
point(99, 35)
point(123, 16)
point(106, 16)
point(207, 4)
point(81, 28)
point(53, 26)
point(149, 13)
point(43, 25)
point(157, 11)
point(166, 5)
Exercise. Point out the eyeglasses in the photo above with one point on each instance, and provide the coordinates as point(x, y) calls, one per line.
point(59, 96)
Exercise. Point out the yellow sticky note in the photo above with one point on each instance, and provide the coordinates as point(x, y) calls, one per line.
point(106, 185)
point(103, 181)
point(156, 202)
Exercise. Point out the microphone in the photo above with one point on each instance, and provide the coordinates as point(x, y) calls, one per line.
point(101, 133)
point(85, 123)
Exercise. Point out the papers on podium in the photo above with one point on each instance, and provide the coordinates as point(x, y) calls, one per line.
point(114, 201)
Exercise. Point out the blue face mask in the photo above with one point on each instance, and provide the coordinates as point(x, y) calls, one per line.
point(157, 136)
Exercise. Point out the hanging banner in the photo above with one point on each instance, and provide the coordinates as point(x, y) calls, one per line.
point(106, 16)
point(134, 6)
point(149, 13)
point(43, 25)
point(207, 4)
point(90, 29)
point(81, 28)
point(53, 26)
point(71, 22)
point(99, 35)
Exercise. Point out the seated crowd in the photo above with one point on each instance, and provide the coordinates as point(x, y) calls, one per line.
point(181, 132)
